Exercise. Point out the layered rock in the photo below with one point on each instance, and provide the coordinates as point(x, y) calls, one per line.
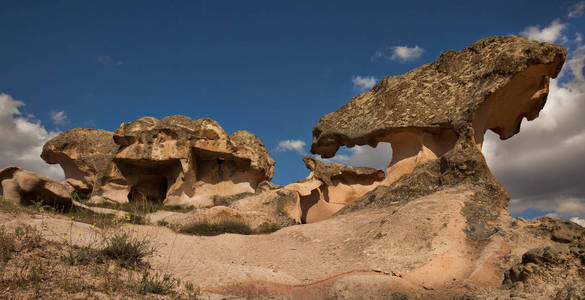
point(180, 161)
point(330, 187)
point(25, 187)
point(440, 111)
point(84, 154)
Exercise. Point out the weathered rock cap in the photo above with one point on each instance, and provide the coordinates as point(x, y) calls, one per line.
point(204, 136)
point(83, 153)
point(178, 127)
point(442, 94)
point(327, 172)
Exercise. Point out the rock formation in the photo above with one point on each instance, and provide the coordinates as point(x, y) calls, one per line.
point(435, 227)
point(441, 110)
point(180, 161)
point(330, 187)
point(84, 154)
point(25, 187)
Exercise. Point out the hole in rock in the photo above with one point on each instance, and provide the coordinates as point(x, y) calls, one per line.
point(147, 180)
point(398, 153)
point(213, 170)
point(150, 188)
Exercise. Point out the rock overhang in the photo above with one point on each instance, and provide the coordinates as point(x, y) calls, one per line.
point(442, 95)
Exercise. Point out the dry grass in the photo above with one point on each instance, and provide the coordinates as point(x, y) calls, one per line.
point(210, 229)
point(32, 267)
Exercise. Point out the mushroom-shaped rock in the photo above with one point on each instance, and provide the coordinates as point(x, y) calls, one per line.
point(84, 154)
point(447, 104)
point(183, 162)
point(330, 187)
point(25, 187)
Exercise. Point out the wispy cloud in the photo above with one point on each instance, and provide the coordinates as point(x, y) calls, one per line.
point(292, 145)
point(109, 61)
point(405, 53)
point(23, 138)
point(58, 117)
point(400, 53)
point(579, 221)
point(551, 33)
point(576, 10)
point(363, 83)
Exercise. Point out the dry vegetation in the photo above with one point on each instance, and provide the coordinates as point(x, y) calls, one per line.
point(114, 266)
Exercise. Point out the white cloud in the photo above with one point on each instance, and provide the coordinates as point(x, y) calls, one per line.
point(576, 10)
point(543, 166)
point(291, 145)
point(579, 221)
point(364, 83)
point(550, 34)
point(58, 117)
point(401, 53)
point(365, 156)
point(22, 140)
point(405, 53)
point(109, 61)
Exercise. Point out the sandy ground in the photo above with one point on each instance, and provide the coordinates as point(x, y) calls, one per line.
point(413, 249)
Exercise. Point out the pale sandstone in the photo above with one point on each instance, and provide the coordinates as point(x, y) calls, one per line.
point(25, 187)
point(180, 161)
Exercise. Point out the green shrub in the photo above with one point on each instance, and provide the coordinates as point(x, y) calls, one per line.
point(155, 284)
point(128, 251)
point(210, 229)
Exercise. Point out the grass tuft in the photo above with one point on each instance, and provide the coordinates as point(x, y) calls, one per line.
point(211, 229)
point(156, 284)
point(126, 250)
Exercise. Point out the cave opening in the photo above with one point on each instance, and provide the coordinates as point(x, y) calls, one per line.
point(149, 188)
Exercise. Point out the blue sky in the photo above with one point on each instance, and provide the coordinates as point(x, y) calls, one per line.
point(270, 67)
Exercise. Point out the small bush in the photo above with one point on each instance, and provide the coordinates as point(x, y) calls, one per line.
point(81, 255)
point(155, 284)
point(210, 229)
point(128, 251)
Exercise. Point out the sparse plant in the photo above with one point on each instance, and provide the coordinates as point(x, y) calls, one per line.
point(162, 223)
point(126, 250)
point(39, 205)
point(81, 255)
point(211, 229)
point(156, 284)
point(29, 237)
point(7, 244)
point(192, 292)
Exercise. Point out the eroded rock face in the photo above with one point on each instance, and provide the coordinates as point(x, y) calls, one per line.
point(330, 187)
point(180, 161)
point(25, 187)
point(84, 154)
point(443, 109)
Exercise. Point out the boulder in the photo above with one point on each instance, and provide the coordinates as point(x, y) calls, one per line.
point(181, 161)
point(23, 187)
point(440, 111)
point(84, 154)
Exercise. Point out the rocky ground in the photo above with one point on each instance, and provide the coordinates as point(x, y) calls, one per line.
point(419, 249)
